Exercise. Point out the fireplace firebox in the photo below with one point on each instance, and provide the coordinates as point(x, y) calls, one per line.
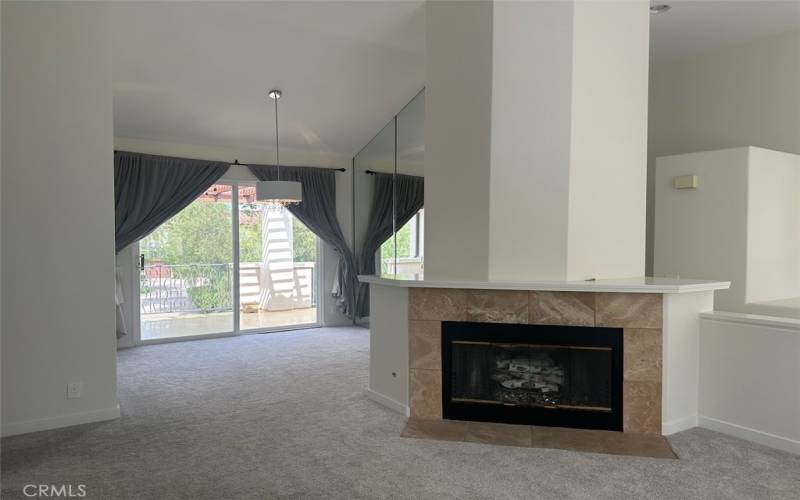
point(564, 376)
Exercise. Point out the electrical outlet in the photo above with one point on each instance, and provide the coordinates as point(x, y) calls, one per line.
point(74, 390)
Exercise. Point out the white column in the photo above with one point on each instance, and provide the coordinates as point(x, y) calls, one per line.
point(536, 127)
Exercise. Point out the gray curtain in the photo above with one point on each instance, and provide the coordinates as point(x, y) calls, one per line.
point(150, 189)
point(318, 212)
point(408, 191)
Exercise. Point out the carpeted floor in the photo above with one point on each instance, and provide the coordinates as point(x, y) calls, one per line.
point(285, 416)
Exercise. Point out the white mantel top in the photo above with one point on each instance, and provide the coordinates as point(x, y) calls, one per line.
point(629, 285)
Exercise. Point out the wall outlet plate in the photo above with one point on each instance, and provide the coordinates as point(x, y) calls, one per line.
point(74, 390)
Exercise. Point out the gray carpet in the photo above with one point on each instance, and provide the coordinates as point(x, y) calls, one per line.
point(285, 416)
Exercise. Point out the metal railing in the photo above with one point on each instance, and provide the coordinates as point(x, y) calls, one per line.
point(202, 288)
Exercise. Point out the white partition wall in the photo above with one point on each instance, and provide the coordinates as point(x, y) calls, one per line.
point(741, 222)
point(58, 215)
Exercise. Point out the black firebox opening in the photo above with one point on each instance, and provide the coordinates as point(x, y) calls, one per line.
point(565, 376)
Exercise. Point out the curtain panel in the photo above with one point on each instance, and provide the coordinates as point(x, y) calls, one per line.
point(318, 212)
point(395, 200)
point(150, 189)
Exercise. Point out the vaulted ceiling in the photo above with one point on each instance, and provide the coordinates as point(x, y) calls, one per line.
point(198, 72)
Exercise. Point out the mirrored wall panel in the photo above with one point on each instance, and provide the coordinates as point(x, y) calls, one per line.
point(409, 254)
point(388, 196)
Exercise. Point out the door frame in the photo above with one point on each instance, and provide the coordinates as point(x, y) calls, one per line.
point(133, 286)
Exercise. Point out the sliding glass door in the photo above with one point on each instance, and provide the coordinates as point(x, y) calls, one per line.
point(278, 267)
point(226, 252)
point(186, 282)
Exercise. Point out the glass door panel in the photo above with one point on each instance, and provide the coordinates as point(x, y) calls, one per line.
point(278, 271)
point(186, 282)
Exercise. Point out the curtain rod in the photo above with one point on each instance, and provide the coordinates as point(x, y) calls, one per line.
point(236, 162)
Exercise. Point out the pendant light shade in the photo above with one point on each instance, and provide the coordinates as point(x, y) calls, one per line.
point(278, 193)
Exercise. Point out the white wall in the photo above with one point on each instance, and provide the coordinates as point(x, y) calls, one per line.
point(608, 151)
point(749, 369)
point(457, 139)
point(681, 358)
point(742, 223)
point(388, 347)
point(530, 140)
point(330, 260)
point(544, 103)
point(701, 233)
point(57, 215)
point(747, 95)
point(773, 225)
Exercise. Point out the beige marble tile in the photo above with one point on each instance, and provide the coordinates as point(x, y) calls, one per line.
point(629, 310)
point(426, 393)
point(563, 438)
point(641, 407)
point(500, 434)
point(642, 354)
point(425, 344)
point(442, 304)
point(597, 441)
point(561, 308)
point(441, 430)
point(497, 306)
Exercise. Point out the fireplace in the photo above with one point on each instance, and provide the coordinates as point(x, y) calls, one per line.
point(564, 376)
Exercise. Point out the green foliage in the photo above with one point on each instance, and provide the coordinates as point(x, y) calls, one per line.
point(215, 295)
point(197, 243)
point(305, 242)
point(250, 233)
point(198, 234)
point(403, 247)
point(201, 234)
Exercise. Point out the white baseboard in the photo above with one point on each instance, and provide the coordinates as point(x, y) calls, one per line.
point(746, 433)
point(388, 402)
point(678, 425)
point(47, 423)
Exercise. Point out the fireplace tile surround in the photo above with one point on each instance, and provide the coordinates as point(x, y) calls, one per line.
point(659, 319)
point(639, 314)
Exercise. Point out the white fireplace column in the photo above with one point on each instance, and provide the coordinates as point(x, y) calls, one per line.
point(536, 132)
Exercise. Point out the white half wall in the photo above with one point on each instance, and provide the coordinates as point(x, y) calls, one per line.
point(701, 233)
point(749, 373)
point(681, 359)
point(57, 215)
point(388, 347)
point(773, 225)
point(741, 223)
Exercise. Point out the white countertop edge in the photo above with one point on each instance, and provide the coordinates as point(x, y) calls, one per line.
point(636, 285)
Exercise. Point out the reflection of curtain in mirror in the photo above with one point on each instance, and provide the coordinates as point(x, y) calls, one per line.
point(279, 285)
point(410, 198)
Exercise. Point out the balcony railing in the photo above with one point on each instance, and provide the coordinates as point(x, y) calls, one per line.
point(203, 288)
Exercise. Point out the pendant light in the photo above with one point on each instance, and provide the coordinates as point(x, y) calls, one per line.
point(278, 193)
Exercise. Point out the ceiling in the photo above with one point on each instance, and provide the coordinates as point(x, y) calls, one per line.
point(693, 27)
point(198, 73)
